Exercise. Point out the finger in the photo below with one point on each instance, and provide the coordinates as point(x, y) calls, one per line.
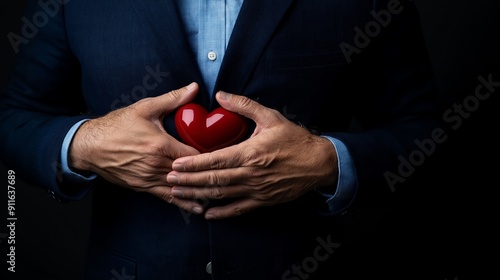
point(209, 193)
point(165, 194)
point(221, 159)
point(194, 174)
point(246, 107)
point(170, 101)
point(234, 209)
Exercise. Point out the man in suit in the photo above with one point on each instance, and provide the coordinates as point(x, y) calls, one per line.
point(90, 108)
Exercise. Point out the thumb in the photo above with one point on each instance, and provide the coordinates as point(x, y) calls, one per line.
point(245, 107)
point(170, 101)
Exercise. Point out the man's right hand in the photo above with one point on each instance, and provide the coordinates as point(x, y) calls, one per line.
point(130, 147)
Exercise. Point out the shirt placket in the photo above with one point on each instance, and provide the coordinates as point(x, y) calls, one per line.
point(212, 39)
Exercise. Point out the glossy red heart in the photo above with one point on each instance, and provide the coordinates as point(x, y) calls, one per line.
point(206, 131)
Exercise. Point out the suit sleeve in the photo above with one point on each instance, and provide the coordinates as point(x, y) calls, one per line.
point(41, 102)
point(397, 105)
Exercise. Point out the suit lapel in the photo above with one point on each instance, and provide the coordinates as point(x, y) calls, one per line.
point(254, 27)
point(172, 42)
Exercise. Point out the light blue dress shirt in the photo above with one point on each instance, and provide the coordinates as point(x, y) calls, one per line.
point(209, 24)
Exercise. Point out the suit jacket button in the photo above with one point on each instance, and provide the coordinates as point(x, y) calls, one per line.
point(209, 268)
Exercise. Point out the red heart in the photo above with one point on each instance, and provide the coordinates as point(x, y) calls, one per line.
point(208, 132)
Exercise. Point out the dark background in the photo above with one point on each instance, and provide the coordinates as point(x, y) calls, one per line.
point(441, 225)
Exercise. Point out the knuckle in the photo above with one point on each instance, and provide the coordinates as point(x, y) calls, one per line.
point(274, 111)
point(257, 158)
point(217, 162)
point(214, 179)
point(174, 95)
point(217, 193)
point(251, 154)
point(246, 102)
point(142, 103)
point(237, 211)
point(161, 194)
point(168, 197)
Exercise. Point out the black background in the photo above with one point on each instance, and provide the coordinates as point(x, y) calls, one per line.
point(442, 222)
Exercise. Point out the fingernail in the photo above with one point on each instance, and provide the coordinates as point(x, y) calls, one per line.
point(224, 95)
point(191, 86)
point(197, 210)
point(172, 179)
point(177, 193)
point(178, 166)
point(210, 217)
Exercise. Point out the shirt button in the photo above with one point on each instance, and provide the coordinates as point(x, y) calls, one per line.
point(209, 268)
point(212, 56)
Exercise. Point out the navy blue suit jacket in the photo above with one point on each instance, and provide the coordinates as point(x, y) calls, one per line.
point(321, 63)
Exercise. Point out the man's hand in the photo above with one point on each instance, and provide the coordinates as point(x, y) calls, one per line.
point(129, 147)
point(280, 162)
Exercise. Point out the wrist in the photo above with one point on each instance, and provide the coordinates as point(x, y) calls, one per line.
point(79, 150)
point(330, 161)
point(327, 156)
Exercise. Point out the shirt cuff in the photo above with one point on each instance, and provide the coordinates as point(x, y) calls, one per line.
point(67, 173)
point(347, 183)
